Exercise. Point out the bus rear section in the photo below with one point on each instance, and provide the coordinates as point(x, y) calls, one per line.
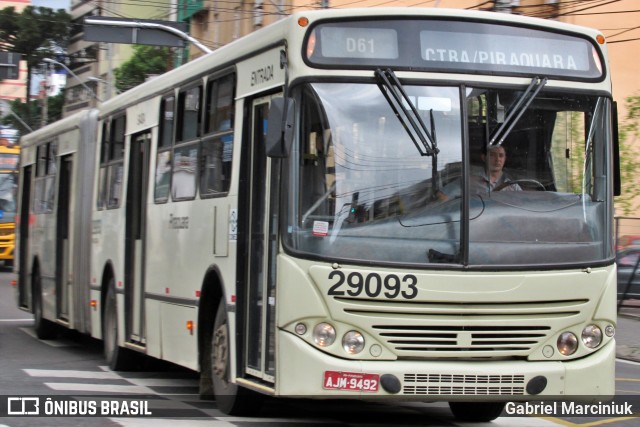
point(54, 211)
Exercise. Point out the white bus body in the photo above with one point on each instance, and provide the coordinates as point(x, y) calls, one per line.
point(354, 257)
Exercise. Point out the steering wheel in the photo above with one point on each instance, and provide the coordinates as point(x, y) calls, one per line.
point(520, 181)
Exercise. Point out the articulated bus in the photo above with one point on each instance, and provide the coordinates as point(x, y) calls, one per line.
point(9, 160)
point(309, 212)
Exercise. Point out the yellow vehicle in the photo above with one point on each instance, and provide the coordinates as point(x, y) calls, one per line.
point(9, 157)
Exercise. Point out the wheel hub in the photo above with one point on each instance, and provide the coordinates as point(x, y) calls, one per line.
point(220, 352)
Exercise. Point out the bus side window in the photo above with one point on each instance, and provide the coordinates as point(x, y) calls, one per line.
point(217, 147)
point(189, 114)
point(185, 152)
point(111, 162)
point(50, 191)
point(42, 191)
point(163, 158)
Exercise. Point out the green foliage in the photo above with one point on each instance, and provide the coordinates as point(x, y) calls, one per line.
point(55, 106)
point(629, 134)
point(146, 60)
point(33, 112)
point(35, 33)
point(28, 113)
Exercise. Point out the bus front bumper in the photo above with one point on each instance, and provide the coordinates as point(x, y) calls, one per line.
point(304, 371)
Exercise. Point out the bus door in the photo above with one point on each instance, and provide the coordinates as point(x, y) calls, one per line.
point(62, 255)
point(135, 236)
point(262, 245)
point(23, 244)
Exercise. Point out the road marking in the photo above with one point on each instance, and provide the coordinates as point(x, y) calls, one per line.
point(102, 388)
point(72, 374)
point(162, 382)
point(567, 423)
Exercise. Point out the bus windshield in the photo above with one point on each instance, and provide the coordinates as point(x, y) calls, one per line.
point(8, 185)
point(512, 183)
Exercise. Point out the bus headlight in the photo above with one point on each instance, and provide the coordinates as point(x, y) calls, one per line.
point(324, 334)
point(610, 330)
point(567, 343)
point(591, 336)
point(353, 342)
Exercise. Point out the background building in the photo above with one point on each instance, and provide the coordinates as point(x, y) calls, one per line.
point(215, 23)
point(93, 62)
point(11, 90)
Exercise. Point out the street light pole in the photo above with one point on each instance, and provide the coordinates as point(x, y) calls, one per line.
point(53, 61)
point(18, 118)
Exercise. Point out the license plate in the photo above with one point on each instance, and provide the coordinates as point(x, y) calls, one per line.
point(352, 381)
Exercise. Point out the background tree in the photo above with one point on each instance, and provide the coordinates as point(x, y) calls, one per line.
point(34, 111)
point(629, 135)
point(146, 61)
point(35, 33)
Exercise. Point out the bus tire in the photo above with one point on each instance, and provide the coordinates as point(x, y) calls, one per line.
point(230, 398)
point(116, 357)
point(45, 329)
point(476, 412)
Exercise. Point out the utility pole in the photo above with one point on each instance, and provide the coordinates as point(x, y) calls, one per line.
point(45, 112)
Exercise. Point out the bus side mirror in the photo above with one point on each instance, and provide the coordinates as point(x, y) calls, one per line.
point(280, 127)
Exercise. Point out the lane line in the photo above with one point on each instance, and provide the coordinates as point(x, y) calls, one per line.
point(103, 388)
point(55, 373)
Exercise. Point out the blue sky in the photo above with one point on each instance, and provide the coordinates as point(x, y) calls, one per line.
point(53, 4)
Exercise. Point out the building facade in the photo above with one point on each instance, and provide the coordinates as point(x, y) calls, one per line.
point(93, 62)
point(12, 89)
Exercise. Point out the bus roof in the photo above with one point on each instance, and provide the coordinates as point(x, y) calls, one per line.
point(276, 33)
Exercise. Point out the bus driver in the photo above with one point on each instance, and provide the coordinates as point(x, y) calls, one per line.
point(484, 180)
point(494, 175)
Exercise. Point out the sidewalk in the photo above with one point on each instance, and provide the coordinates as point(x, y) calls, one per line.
point(627, 334)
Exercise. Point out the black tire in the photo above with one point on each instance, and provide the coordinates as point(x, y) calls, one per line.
point(230, 398)
point(45, 329)
point(477, 412)
point(118, 358)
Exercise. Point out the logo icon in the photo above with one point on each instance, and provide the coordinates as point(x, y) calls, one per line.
point(23, 406)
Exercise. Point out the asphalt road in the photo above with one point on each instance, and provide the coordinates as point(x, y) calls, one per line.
point(73, 366)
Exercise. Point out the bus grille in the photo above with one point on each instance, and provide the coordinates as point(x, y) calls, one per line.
point(469, 339)
point(476, 385)
point(465, 330)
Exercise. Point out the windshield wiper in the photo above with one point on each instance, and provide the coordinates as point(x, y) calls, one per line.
point(423, 138)
point(517, 111)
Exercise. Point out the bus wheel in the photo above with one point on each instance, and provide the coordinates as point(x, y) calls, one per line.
point(230, 398)
point(476, 411)
point(45, 329)
point(117, 357)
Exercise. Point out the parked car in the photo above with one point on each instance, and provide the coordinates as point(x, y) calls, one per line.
point(627, 260)
point(627, 240)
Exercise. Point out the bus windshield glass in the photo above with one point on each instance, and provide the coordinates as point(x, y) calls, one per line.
point(513, 183)
point(8, 185)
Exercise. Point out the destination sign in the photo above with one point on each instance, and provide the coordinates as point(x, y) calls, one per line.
point(453, 46)
point(349, 42)
point(511, 51)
